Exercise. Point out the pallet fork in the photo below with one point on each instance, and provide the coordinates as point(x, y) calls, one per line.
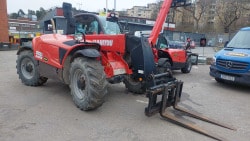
point(170, 94)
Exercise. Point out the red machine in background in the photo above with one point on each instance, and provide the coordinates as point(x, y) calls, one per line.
point(91, 50)
point(174, 59)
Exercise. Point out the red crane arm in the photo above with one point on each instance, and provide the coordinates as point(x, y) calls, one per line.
point(159, 21)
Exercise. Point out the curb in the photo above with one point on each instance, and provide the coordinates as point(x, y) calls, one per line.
point(203, 60)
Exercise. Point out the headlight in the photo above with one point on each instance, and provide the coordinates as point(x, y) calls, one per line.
point(78, 37)
point(214, 60)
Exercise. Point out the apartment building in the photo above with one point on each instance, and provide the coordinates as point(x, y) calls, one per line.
point(142, 11)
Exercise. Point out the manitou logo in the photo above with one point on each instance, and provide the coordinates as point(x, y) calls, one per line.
point(104, 42)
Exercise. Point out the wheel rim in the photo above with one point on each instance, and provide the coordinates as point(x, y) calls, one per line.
point(79, 84)
point(27, 68)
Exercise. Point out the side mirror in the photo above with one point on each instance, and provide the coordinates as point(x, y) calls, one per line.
point(194, 58)
point(225, 45)
point(125, 28)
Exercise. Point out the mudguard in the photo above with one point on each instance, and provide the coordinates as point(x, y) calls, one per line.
point(24, 48)
point(91, 53)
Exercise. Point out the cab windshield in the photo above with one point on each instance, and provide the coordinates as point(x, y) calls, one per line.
point(111, 28)
point(240, 40)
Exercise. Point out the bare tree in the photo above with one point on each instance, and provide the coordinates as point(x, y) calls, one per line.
point(228, 12)
point(156, 10)
point(246, 5)
point(198, 10)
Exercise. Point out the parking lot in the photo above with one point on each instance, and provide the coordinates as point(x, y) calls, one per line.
point(47, 113)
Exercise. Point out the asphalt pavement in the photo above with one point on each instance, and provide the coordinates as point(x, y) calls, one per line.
point(47, 113)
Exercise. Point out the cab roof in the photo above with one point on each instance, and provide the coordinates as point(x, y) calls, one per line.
point(245, 29)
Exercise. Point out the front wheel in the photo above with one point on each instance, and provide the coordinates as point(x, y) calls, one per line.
point(134, 86)
point(188, 66)
point(164, 65)
point(27, 69)
point(87, 83)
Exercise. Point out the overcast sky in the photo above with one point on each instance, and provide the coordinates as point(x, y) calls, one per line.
point(88, 5)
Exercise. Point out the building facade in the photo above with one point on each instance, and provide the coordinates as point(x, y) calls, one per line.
point(142, 11)
point(4, 37)
point(23, 28)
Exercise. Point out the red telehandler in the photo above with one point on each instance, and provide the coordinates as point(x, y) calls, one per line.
point(174, 59)
point(91, 51)
point(166, 58)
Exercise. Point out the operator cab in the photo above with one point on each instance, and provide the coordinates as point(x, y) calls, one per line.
point(162, 42)
point(55, 25)
point(84, 23)
point(95, 24)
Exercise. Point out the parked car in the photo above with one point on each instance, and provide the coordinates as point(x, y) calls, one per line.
point(232, 63)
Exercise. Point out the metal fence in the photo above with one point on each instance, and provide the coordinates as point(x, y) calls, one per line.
point(212, 39)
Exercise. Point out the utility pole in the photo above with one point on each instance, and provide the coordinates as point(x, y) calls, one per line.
point(79, 6)
point(106, 8)
point(114, 5)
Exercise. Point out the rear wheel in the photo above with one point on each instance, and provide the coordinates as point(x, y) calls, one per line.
point(87, 83)
point(27, 69)
point(188, 66)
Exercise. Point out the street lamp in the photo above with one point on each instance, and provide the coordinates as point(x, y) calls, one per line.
point(20, 30)
point(107, 6)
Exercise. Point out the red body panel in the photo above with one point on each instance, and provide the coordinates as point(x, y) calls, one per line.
point(109, 42)
point(113, 49)
point(177, 55)
point(46, 49)
point(114, 64)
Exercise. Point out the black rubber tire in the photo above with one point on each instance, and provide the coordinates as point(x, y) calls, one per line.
point(188, 66)
point(87, 83)
point(134, 86)
point(163, 65)
point(131, 84)
point(27, 69)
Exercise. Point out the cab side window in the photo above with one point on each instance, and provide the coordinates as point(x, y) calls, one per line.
point(87, 24)
point(93, 27)
point(162, 42)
